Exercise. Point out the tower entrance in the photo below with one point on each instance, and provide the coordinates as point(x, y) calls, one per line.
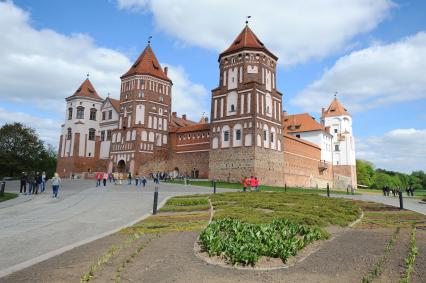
point(121, 166)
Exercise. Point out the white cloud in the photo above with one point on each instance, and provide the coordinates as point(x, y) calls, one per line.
point(47, 129)
point(42, 67)
point(372, 77)
point(399, 150)
point(187, 97)
point(39, 68)
point(295, 31)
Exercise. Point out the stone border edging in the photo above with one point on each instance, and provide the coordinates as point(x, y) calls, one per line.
point(43, 257)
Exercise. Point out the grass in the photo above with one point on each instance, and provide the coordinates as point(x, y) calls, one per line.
point(376, 270)
point(186, 204)
point(306, 209)
point(238, 186)
point(382, 216)
point(8, 196)
point(411, 258)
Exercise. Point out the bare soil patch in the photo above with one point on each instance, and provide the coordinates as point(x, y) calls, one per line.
point(66, 267)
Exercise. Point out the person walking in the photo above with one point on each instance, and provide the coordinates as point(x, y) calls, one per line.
point(43, 181)
point(37, 183)
point(252, 183)
point(256, 184)
point(245, 183)
point(56, 183)
point(30, 182)
point(137, 179)
point(105, 178)
point(143, 182)
point(115, 177)
point(98, 177)
point(24, 179)
point(129, 178)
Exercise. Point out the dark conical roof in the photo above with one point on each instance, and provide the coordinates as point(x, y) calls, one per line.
point(246, 40)
point(86, 89)
point(147, 64)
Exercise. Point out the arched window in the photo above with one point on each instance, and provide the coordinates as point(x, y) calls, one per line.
point(80, 112)
point(70, 113)
point(93, 114)
point(225, 136)
point(238, 135)
point(92, 134)
point(231, 102)
point(69, 134)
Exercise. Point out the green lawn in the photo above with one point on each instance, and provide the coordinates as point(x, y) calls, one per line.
point(301, 208)
point(238, 186)
point(8, 196)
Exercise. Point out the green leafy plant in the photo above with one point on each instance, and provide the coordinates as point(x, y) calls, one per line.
point(245, 243)
point(411, 258)
point(376, 270)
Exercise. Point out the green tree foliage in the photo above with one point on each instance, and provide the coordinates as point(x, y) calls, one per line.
point(22, 150)
point(364, 172)
point(377, 179)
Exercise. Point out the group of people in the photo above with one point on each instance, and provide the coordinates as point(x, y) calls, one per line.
point(36, 183)
point(387, 190)
point(251, 184)
point(102, 178)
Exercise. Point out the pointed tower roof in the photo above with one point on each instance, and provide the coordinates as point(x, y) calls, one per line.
point(335, 109)
point(247, 40)
point(86, 90)
point(147, 64)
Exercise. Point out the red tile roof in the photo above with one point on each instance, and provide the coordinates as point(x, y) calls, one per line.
point(115, 103)
point(246, 40)
point(86, 89)
point(301, 123)
point(335, 109)
point(147, 64)
point(177, 122)
point(194, 128)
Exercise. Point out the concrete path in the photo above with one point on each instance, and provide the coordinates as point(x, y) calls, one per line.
point(36, 227)
point(409, 203)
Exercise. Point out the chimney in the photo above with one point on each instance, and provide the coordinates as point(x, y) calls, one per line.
point(284, 112)
point(322, 110)
point(184, 116)
point(174, 114)
point(166, 69)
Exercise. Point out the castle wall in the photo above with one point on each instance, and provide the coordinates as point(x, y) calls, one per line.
point(302, 162)
point(344, 176)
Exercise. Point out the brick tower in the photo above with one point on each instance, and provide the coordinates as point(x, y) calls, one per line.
point(246, 128)
point(145, 109)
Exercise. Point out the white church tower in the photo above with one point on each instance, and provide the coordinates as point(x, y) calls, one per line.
point(339, 121)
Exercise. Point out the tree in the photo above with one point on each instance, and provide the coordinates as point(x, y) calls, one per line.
point(420, 177)
point(22, 150)
point(381, 180)
point(364, 172)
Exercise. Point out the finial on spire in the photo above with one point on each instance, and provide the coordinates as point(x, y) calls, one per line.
point(149, 39)
point(335, 94)
point(108, 94)
point(247, 19)
point(87, 75)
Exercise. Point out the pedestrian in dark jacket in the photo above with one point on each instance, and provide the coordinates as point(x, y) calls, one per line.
point(38, 181)
point(24, 180)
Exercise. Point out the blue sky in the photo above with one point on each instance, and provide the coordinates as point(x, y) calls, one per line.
point(368, 51)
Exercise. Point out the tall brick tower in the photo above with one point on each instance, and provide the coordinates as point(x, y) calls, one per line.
point(246, 128)
point(145, 109)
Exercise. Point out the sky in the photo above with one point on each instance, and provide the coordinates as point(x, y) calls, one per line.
point(371, 52)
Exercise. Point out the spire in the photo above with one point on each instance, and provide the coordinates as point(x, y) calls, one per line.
point(335, 109)
point(86, 89)
point(147, 64)
point(247, 40)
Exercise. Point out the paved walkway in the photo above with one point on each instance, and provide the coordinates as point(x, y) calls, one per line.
point(409, 203)
point(36, 227)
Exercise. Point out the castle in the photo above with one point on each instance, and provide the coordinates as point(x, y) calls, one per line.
point(248, 133)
